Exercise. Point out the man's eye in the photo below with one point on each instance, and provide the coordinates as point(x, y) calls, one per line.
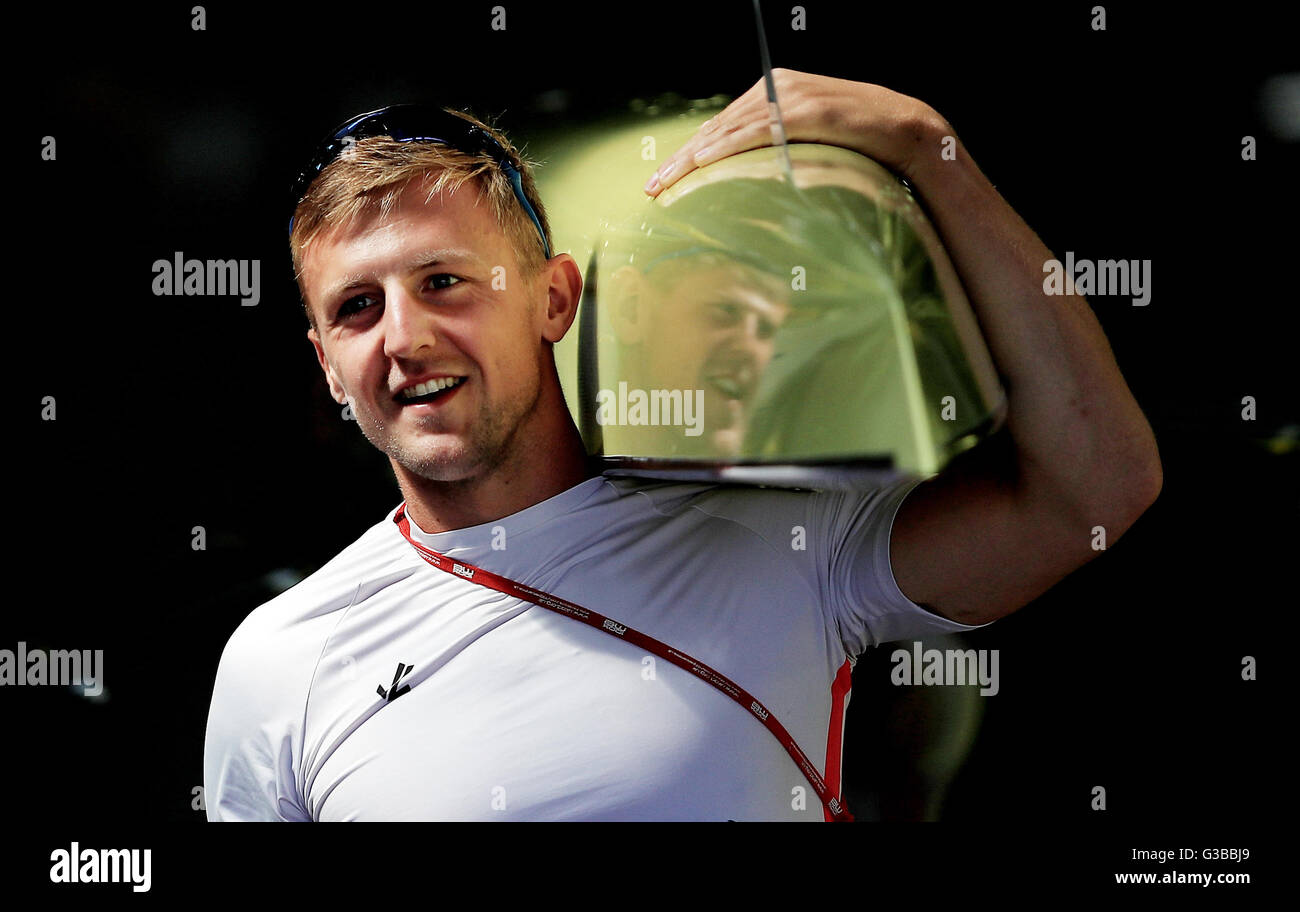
point(353, 305)
point(441, 275)
point(723, 313)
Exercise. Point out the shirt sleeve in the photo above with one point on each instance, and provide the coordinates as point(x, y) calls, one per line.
point(248, 753)
point(866, 604)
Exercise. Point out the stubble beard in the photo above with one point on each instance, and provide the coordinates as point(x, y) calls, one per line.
point(492, 437)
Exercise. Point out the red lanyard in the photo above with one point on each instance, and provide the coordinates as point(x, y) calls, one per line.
point(503, 584)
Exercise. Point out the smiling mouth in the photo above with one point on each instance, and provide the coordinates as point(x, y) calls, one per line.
point(734, 384)
point(731, 387)
point(733, 374)
point(433, 391)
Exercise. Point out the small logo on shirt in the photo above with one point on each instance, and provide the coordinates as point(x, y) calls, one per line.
point(394, 691)
point(462, 570)
point(614, 627)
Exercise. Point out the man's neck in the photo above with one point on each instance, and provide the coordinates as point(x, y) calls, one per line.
point(528, 477)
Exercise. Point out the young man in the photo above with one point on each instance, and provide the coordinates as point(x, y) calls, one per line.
point(392, 684)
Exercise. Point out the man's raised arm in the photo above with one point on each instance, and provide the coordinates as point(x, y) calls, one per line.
point(1007, 520)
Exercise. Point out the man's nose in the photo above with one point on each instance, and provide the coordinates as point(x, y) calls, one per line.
point(408, 328)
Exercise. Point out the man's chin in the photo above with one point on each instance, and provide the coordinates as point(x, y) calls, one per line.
point(726, 444)
point(444, 464)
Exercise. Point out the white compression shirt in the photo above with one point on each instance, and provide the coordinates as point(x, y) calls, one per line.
point(514, 712)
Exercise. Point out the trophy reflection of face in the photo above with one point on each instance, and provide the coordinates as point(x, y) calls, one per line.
point(702, 325)
point(745, 328)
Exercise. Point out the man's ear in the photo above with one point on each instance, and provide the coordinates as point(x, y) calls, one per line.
point(562, 296)
point(626, 304)
point(336, 388)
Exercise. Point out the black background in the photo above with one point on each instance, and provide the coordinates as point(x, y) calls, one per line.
point(180, 411)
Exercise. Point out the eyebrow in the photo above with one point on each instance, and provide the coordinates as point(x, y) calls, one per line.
point(750, 298)
point(416, 263)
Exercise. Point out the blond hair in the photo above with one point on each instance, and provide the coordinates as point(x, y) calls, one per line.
point(370, 176)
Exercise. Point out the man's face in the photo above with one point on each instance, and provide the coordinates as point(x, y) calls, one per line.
point(410, 298)
point(714, 329)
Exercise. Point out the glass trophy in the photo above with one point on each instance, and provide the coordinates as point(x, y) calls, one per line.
point(743, 328)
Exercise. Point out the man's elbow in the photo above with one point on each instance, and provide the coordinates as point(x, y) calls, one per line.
point(1155, 483)
point(1074, 537)
point(1142, 488)
point(1148, 472)
point(1113, 504)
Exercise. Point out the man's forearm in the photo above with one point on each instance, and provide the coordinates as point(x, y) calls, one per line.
point(1078, 432)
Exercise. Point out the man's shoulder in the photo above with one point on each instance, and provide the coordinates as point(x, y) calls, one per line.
point(733, 522)
point(726, 500)
point(825, 518)
point(291, 628)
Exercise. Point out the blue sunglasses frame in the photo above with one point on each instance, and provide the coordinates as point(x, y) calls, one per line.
point(413, 123)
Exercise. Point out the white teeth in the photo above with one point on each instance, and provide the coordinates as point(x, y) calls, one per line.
point(430, 386)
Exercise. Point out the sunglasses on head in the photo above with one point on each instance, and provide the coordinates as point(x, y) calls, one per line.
point(413, 123)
